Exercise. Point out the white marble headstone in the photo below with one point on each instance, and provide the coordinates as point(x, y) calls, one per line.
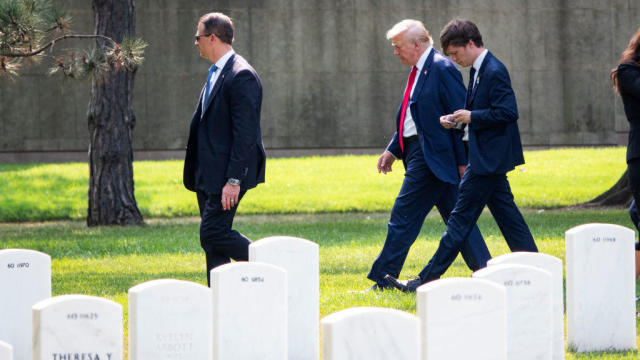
point(25, 279)
point(6, 351)
point(170, 320)
point(370, 333)
point(249, 311)
point(553, 265)
point(529, 308)
point(462, 318)
point(76, 327)
point(300, 259)
point(601, 311)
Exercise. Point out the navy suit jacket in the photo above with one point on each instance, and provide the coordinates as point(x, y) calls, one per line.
point(225, 139)
point(494, 138)
point(439, 90)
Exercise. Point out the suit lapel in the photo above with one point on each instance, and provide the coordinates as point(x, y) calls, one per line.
point(479, 78)
point(200, 98)
point(422, 78)
point(218, 83)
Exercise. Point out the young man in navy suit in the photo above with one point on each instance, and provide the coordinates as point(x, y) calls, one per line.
point(434, 157)
point(494, 149)
point(225, 156)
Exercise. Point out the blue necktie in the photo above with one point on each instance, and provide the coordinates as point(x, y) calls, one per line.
point(207, 87)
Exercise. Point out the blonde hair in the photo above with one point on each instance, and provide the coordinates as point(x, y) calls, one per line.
point(415, 31)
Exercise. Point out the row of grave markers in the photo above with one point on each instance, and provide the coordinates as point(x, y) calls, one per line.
point(249, 303)
point(268, 308)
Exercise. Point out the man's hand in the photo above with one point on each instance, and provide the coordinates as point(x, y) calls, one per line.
point(462, 116)
point(461, 170)
point(230, 196)
point(384, 162)
point(447, 121)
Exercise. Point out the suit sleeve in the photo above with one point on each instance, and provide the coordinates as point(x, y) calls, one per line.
point(503, 108)
point(452, 93)
point(245, 103)
point(394, 146)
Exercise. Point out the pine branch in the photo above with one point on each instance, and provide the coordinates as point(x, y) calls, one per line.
point(52, 42)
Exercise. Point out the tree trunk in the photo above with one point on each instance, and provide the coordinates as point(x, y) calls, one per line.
point(111, 121)
point(618, 195)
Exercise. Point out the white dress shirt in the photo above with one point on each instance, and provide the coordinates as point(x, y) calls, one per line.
point(220, 65)
point(409, 127)
point(476, 65)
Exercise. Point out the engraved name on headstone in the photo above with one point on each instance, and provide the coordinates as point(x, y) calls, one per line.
point(70, 327)
point(249, 311)
point(462, 318)
point(370, 333)
point(300, 259)
point(25, 279)
point(529, 307)
point(170, 319)
point(553, 265)
point(600, 288)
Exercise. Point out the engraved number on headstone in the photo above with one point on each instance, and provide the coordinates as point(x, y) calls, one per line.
point(466, 297)
point(85, 316)
point(517, 283)
point(604, 239)
point(22, 265)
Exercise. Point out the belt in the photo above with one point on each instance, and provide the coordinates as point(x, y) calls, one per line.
point(410, 140)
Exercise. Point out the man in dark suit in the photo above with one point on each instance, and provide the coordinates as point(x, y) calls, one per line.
point(494, 149)
point(434, 157)
point(225, 156)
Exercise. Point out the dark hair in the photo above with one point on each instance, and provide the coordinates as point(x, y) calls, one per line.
point(220, 25)
point(630, 55)
point(458, 32)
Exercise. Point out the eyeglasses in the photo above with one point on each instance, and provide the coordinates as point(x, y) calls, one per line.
point(203, 35)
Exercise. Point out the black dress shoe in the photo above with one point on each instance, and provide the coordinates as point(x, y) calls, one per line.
point(404, 285)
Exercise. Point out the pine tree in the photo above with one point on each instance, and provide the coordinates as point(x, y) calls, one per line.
point(30, 31)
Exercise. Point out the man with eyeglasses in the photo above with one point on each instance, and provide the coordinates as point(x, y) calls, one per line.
point(225, 156)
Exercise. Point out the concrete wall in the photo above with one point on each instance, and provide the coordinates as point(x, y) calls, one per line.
point(330, 77)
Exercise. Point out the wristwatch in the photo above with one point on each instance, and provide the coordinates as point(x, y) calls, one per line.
point(233, 181)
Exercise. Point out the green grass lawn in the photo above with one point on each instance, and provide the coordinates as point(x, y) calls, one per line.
point(549, 179)
point(107, 261)
point(340, 202)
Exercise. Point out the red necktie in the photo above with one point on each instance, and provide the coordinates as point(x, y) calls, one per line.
point(405, 101)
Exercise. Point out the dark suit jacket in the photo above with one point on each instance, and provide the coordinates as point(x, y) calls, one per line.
point(494, 138)
point(629, 84)
point(439, 90)
point(225, 140)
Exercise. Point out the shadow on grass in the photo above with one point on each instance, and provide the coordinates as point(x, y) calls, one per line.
point(114, 283)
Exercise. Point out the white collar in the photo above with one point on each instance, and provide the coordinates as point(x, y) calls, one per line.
point(478, 62)
point(423, 58)
point(223, 60)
